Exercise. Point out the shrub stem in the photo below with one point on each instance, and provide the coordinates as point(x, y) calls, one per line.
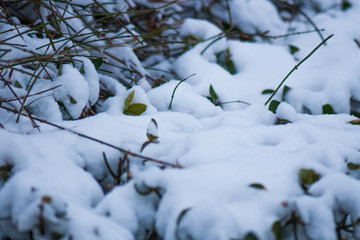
point(297, 66)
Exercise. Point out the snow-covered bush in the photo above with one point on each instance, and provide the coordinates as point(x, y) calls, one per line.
point(136, 119)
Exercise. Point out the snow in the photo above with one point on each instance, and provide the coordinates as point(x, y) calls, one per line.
point(73, 91)
point(91, 77)
point(317, 218)
point(230, 168)
point(248, 16)
point(183, 100)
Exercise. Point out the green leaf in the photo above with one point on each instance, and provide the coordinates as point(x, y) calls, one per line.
point(257, 186)
point(268, 91)
point(345, 5)
point(286, 89)
point(6, 168)
point(306, 110)
point(5, 171)
point(327, 109)
point(72, 100)
point(293, 49)
point(281, 121)
point(276, 229)
point(353, 166)
point(308, 176)
point(250, 236)
point(211, 100)
point(224, 60)
point(355, 113)
point(228, 63)
point(230, 66)
point(213, 94)
point(17, 84)
point(97, 62)
point(274, 105)
point(128, 100)
point(56, 235)
point(82, 70)
point(135, 109)
point(59, 71)
point(65, 113)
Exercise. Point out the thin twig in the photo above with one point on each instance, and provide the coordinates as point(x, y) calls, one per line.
point(292, 6)
point(229, 13)
point(294, 33)
point(221, 35)
point(236, 101)
point(297, 66)
point(38, 93)
point(109, 168)
point(18, 99)
point(313, 24)
point(96, 140)
point(177, 85)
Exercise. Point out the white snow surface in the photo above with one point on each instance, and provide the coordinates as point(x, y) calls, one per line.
point(234, 170)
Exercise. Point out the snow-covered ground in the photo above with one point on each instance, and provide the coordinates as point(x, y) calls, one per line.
point(231, 170)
